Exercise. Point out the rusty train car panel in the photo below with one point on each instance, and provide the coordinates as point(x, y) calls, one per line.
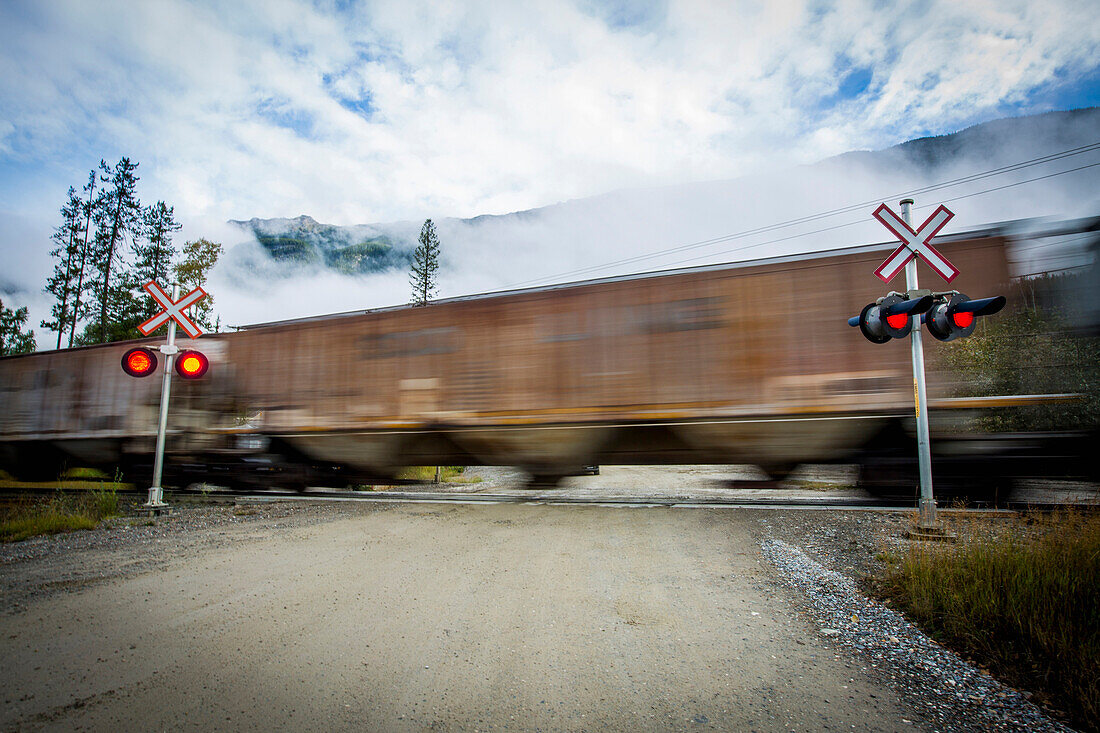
point(750, 362)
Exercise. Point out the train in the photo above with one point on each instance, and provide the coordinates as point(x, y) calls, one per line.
point(747, 362)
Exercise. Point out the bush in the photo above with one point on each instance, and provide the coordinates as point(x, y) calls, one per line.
point(1022, 600)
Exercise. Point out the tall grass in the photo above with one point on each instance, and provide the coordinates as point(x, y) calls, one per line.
point(62, 512)
point(1022, 599)
point(448, 474)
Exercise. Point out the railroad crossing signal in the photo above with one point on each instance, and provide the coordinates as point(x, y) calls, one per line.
point(141, 362)
point(914, 243)
point(948, 315)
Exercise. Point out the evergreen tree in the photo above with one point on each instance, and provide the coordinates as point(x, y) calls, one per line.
point(126, 308)
point(155, 254)
point(199, 257)
point(425, 265)
point(62, 284)
point(117, 214)
point(13, 339)
point(80, 308)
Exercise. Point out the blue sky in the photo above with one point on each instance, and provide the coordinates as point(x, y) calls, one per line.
point(372, 112)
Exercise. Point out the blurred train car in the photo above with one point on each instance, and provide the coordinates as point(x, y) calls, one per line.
point(750, 362)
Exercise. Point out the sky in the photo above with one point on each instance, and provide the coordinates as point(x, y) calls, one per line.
point(356, 113)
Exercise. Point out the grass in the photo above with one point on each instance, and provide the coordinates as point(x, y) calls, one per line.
point(1021, 598)
point(61, 484)
point(61, 512)
point(448, 475)
point(88, 473)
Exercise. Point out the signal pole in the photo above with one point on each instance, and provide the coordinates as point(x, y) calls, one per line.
point(141, 362)
point(949, 315)
point(927, 521)
point(156, 492)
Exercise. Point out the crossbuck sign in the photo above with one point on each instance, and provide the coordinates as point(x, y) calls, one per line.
point(914, 243)
point(172, 309)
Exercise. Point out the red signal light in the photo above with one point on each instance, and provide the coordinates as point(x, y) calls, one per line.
point(962, 319)
point(139, 362)
point(898, 320)
point(192, 364)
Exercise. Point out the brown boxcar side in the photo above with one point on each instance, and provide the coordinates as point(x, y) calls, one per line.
point(751, 362)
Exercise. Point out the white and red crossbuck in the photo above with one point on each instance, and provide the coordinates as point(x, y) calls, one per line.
point(172, 309)
point(914, 244)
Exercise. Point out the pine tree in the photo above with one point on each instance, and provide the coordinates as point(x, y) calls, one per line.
point(13, 339)
point(118, 214)
point(425, 265)
point(62, 284)
point(126, 308)
point(80, 308)
point(155, 254)
point(199, 257)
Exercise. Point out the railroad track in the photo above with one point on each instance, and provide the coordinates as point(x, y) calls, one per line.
point(773, 499)
point(732, 498)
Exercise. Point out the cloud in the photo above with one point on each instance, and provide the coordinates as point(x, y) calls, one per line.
point(395, 110)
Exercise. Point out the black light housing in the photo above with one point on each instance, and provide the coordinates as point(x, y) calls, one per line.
point(957, 316)
point(139, 362)
point(890, 317)
point(192, 364)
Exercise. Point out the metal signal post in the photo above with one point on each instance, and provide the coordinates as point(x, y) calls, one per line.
point(142, 362)
point(156, 492)
point(927, 512)
point(949, 315)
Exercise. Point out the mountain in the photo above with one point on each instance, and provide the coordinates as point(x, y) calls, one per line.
point(648, 227)
point(353, 250)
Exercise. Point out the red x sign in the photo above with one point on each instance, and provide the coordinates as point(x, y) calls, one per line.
point(914, 244)
point(172, 309)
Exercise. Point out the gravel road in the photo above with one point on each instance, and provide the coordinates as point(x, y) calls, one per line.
point(346, 616)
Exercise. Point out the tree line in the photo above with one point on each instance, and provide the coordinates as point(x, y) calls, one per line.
point(96, 282)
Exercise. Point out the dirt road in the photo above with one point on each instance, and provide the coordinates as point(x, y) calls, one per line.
point(414, 617)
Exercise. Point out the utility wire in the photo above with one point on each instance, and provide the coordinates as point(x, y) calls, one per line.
point(833, 212)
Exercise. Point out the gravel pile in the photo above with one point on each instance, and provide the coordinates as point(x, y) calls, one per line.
point(951, 692)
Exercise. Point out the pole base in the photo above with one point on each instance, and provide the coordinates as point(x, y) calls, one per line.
point(153, 510)
point(155, 503)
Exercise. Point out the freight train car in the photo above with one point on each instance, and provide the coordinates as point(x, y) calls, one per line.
point(750, 362)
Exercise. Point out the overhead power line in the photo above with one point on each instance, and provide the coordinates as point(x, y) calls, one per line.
point(833, 212)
